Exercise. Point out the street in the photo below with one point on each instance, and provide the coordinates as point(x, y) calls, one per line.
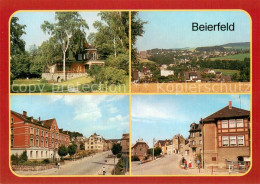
point(87, 166)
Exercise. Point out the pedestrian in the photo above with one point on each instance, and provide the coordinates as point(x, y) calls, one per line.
point(198, 163)
point(185, 163)
point(190, 163)
point(104, 170)
point(182, 160)
point(58, 165)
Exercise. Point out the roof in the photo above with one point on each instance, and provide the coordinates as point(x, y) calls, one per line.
point(139, 142)
point(226, 113)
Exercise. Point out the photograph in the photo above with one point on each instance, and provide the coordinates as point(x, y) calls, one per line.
point(69, 52)
point(72, 135)
point(191, 52)
point(191, 135)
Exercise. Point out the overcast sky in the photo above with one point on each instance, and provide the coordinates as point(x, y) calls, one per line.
point(107, 115)
point(163, 116)
point(173, 29)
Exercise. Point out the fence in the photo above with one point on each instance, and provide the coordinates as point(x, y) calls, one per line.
point(237, 166)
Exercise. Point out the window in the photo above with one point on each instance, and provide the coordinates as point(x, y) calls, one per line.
point(37, 143)
point(46, 144)
point(200, 141)
point(46, 134)
point(192, 134)
point(240, 140)
point(31, 142)
point(42, 133)
point(224, 123)
point(41, 153)
point(37, 131)
point(233, 140)
point(31, 154)
point(42, 144)
point(232, 123)
point(12, 141)
point(12, 120)
point(31, 130)
point(46, 153)
point(240, 123)
point(214, 158)
point(193, 142)
point(12, 130)
point(36, 154)
point(225, 141)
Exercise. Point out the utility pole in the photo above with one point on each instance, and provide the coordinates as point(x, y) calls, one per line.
point(153, 147)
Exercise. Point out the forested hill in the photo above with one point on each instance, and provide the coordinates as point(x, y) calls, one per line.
point(239, 45)
point(210, 49)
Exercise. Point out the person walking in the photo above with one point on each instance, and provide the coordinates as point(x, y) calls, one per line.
point(190, 163)
point(104, 170)
point(198, 163)
point(185, 163)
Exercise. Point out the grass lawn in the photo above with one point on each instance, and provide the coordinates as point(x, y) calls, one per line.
point(34, 86)
point(240, 57)
point(227, 72)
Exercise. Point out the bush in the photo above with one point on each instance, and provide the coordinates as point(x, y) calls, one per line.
point(15, 158)
point(62, 151)
point(135, 158)
point(119, 155)
point(43, 80)
point(23, 157)
point(46, 161)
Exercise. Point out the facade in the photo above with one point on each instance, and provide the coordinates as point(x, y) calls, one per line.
point(178, 142)
point(140, 149)
point(226, 136)
point(170, 148)
point(125, 143)
point(94, 143)
point(39, 138)
point(166, 73)
point(79, 141)
point(76, 66)
point(107, 145)
point(163, 145)
point(195, 138)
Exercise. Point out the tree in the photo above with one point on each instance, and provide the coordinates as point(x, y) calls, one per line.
point(67, 25)
point(16, 32)
point(62, 151)
point(72, 149)
point(137, 29)
point(23, 157)
point(157, 151)
point(116, 148)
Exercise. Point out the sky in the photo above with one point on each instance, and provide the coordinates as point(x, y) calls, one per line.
point(173, 29)
point(107, 115)
point(163, 116)
point(34, 20)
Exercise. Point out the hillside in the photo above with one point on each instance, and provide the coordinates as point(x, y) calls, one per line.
point(239, 45)
point(239, 57)
point(210, 49)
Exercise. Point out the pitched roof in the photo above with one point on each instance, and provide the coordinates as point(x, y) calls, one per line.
point(48, 123)
point(226, 112)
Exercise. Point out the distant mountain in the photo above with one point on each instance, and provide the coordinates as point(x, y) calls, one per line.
point(238, 45)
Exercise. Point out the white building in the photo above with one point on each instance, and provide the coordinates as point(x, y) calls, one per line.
point(166, 73)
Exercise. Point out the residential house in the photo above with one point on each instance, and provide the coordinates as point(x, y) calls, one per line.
point(139, 149)
point(166, 73)
point(192, 76)
point(170, 148)
point(163, 145)
point(107, 144)
point(178, 142)
point(125, 143)
point(195, 138)
point(226, 136)
point(94, 143)
point(76, 66)
point(39, 138)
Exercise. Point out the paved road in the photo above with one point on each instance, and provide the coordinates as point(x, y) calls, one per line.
point(87, 166)
point(168, 165)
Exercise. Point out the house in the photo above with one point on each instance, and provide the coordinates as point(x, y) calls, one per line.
point(76, 66)
point(166, 73)
point(178, 142)
point(195, 138)
point(39, 138)
point(79, 141)
point(139, 149)
point(170, 148)
point(163, 145)
point(107, 144)
point(192, 76)
point(226, 136)
point(125, 143)
point(94, 143)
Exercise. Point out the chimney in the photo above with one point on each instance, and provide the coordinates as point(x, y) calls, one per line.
point(230, 104)
point(39, 118)
point(24, 113)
